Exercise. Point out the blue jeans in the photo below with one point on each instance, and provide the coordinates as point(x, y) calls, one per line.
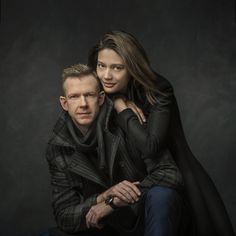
point(57, 232)
point(163, 211)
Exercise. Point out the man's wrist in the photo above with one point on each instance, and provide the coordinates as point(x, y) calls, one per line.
point(101, 198)
point(110, 201)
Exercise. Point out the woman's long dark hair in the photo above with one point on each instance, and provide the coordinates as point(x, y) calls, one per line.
point(135, 59)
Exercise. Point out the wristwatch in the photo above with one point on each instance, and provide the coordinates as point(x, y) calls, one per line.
point(109, 201)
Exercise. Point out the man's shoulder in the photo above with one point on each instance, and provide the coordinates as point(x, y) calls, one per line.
point(58, 156)
point(52, 151)
point(60, 134)
point(59, 139)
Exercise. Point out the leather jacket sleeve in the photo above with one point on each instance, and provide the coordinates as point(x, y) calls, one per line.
point(69, 205)
point(151, 138)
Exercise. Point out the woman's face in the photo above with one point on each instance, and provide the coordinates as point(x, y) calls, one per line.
point(112, 71)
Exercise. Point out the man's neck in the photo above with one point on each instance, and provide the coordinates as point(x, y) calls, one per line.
point(83, 128)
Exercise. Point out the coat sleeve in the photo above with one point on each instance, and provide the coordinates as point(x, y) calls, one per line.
point(69, 205)
point(151, 138)
point(151, 141)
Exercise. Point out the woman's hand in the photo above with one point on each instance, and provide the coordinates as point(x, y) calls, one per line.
point(120, 104)
point(137, 111)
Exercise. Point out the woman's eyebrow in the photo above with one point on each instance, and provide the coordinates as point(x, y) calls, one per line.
point(113, 64)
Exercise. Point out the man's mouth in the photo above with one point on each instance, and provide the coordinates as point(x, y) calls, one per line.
point(83, 113)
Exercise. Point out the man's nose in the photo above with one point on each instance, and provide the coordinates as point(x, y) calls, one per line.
point(107, 74)
point(83, 101)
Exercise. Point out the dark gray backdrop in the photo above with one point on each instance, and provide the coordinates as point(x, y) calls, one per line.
point(192, 43)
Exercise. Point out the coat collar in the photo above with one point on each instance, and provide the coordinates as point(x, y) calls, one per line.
point(60, 134)
point(107, 146)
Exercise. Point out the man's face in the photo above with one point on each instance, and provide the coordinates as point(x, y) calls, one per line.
point(82, 100)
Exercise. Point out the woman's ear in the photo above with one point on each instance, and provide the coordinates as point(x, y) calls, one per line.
point(63, 102)
point(101, 98)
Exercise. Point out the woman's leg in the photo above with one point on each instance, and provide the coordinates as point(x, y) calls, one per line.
point(163, 211)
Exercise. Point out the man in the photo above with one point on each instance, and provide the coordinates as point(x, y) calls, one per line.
point(89, 180)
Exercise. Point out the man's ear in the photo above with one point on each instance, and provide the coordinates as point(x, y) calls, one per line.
point(101, 98)
point(63, 102)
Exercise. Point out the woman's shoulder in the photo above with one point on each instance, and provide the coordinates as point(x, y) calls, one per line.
point(163, 85)
point(164, 94)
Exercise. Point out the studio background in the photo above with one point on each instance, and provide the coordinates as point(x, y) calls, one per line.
point(192, 43)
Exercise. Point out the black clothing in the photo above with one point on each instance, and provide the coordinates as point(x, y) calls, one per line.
point(77, 181)
point(164, 136)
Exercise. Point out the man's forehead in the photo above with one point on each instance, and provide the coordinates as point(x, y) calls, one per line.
point(83, 83)
point(82, 77)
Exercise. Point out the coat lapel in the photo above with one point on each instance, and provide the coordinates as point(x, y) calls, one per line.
point(111, 142)
point(107, 142)
point(81, 165)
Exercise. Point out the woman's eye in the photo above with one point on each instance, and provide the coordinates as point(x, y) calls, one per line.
point(118, 68)
point(100, 66)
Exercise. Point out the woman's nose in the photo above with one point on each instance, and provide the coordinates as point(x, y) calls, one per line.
point(107, 74)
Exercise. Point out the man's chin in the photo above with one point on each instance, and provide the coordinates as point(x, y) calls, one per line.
point(84, 123)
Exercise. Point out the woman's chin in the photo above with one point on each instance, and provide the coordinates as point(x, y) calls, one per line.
point(109, 90)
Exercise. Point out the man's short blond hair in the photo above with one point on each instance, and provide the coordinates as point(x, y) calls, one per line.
point(79, 70)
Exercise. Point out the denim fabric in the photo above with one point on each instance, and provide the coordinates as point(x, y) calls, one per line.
point(163, 212)
point(106, 231)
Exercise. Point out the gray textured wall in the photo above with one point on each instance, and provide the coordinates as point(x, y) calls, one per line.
point(192, 43)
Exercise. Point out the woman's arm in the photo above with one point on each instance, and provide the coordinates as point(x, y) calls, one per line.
point(149, 139)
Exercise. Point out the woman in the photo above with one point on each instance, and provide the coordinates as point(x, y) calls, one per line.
point(148, 114)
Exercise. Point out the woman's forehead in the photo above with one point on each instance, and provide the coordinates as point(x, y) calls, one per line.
point(109, 56)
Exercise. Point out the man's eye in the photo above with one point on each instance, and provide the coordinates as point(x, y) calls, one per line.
point(73, 96)
point(89, 95)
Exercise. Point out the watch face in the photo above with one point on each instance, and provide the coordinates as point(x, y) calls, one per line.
point(109, 200)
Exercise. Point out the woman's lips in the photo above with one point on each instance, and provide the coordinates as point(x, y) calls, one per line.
point(108, 85)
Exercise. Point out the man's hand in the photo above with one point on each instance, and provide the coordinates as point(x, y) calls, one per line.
point(125, 191)
point(96, 213)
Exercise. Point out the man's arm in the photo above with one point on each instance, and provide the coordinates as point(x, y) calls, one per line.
point(124, 193)
point(69, 205)
point(72, 212)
